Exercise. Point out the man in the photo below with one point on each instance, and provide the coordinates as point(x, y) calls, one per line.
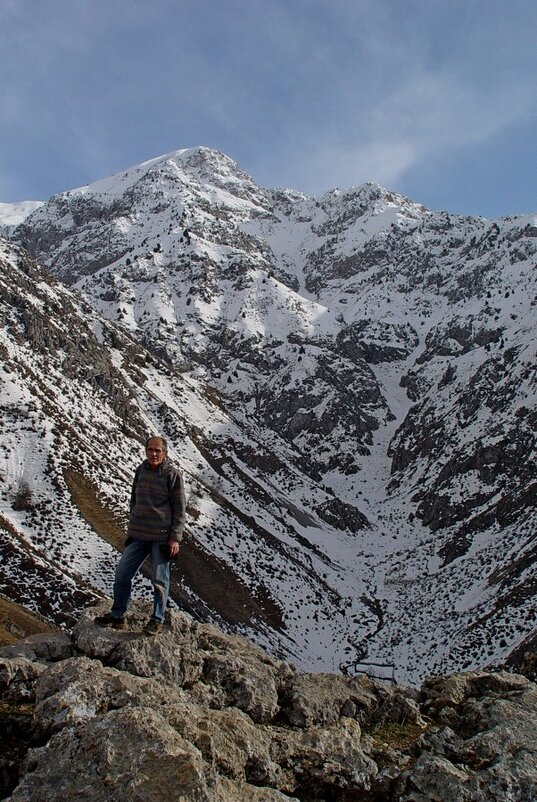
point(157, 520)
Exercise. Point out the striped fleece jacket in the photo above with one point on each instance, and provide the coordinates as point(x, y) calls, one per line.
point(157, 506)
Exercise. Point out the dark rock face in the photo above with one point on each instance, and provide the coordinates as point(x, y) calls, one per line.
point(376, 342)
point(193, 714)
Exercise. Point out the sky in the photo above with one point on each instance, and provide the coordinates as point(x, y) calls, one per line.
point(435, 99)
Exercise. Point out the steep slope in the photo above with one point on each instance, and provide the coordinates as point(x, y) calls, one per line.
point(363, 372)
point(78, 397)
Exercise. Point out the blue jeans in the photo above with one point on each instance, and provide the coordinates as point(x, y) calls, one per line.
point(131, 561)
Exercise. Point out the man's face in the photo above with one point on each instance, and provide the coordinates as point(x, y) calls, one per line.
point(155, 452)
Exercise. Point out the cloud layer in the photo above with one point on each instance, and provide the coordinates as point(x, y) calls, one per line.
point(304, 93)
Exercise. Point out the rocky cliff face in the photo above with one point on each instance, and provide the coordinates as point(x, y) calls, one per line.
point(195, 715)
point(349, 382)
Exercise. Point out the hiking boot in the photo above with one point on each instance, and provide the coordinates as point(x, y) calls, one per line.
point(110, 620)
point(153, 627)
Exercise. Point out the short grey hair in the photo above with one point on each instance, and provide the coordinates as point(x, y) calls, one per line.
point(158, 437)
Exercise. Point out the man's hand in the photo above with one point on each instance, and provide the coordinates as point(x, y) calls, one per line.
point(173, 546)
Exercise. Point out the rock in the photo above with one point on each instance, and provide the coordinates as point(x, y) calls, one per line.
point(452, 691)
point(435, 779)
point(528, 665)
point(492, 754)
point(17, 679)
point(42, 646)
point(118, 721)
point(324, 760)
point(79, 689)
point(173, 655)
point(231, 792)
point(321, 699)
point(248, 677)
point(235, 671)
point(131, 750)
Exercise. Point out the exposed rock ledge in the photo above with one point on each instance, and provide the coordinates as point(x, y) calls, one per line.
point(193, 715)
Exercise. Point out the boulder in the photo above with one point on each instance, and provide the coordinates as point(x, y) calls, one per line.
point(41, 646)
point(17, 679)
point(130, 754)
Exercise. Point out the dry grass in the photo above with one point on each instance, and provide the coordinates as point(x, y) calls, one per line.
point(217, 584)
point(396, 736)
point(85, 498)
point(17, 623)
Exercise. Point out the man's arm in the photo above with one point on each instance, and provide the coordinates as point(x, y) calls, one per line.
point(178, 505)
point(132, 501)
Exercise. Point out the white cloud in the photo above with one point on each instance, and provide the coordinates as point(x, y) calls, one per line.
point(408, 125)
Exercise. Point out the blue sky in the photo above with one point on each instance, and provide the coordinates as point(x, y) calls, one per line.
point(432, 98)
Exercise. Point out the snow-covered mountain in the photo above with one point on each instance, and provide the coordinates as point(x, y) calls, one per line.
point(348, 382)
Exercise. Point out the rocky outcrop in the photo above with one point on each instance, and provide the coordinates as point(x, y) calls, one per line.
point(194, 714)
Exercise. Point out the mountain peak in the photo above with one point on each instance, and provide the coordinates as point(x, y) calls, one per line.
point(348, 382)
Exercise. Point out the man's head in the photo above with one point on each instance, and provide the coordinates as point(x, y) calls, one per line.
point(156, 451)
